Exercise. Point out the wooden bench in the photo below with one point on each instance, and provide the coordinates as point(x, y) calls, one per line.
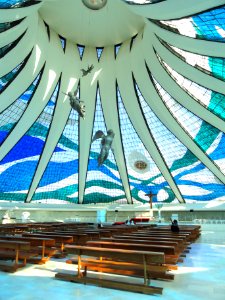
point(142, 258)
point(14, 251)
point(171, 260)
point(166, 233)
point(160, 236)
point(13, 228)
point(78, 238)
point(176, 244)
point(170, 250)
point(78, 233)
point(38, 245)
point(192, 231)
point(180, 240)
point(179, 243)
point(171, 256)
point(154, 237)
point(60, 241)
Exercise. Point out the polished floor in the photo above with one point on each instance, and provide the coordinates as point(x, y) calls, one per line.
point(200, 276)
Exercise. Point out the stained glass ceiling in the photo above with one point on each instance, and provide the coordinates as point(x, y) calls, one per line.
point(158, 83)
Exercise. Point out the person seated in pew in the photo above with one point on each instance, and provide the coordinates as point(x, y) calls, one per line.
point(129, 222)
point(174, 226)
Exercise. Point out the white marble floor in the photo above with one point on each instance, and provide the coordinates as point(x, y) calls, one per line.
point(200, 276)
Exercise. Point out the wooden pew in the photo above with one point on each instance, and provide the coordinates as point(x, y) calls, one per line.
point(170, 250)
point(143, 258)
point(171, 260)
point(155, 272)
point(12, 228)
point(78, 238)
point(38, 245)
point(76, 234)
point(192, 231)
point(60, 241)
point(16, 251)
point(154, 237)
point(163, 236)
point(181, 243)
point(190, 235)
point(171, 255)
point(176, 245)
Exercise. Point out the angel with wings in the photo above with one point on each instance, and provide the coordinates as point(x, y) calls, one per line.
point(76, 103)
point(106, 144)
point(86, 72)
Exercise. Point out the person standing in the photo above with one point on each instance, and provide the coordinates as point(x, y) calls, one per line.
point(175, 226)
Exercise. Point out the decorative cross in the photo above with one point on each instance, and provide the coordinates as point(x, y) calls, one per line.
point(150, 195)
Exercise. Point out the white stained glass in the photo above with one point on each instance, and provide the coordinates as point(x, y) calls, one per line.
point(59, 184)
point(188, 121)
point(198, 92)
point(184, 26)
point(170, 147)
point(193, 58)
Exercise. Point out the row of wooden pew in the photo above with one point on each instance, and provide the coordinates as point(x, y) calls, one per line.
point(144, 251)
point(156, 254)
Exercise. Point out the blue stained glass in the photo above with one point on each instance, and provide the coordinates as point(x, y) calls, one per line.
point(23, 150)
point(99, 52)
point(81, 50)
point(16, 3)
point(210, 23)
point(62, 169)
point(10, 116)
point(20, 175)
point(104, 180)
point(146, 181)
point(22, 160)
point(4, 50)
point(60, 179)
point(63, 42)
point(117, 48)
point(199, 182)
point(4, 26)
point(6, 79)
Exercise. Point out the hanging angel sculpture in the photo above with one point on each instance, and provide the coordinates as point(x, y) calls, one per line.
point(86, 72)
point(76, 103)
point(106, 144)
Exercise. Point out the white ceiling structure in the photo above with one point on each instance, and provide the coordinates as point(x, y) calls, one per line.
point(157, 82)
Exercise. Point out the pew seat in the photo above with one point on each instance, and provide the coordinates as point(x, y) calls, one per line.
point(119, 256)
point(12, 253)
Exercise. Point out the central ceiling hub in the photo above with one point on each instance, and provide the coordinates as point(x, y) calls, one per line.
point(94, 4)
point(95, 23)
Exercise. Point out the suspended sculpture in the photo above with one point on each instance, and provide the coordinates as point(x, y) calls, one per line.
point(76, 103)
point(106, 144)
point(86, 72)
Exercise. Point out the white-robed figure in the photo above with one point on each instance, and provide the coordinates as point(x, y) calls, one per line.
point(106, 144)
point(76, 103)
